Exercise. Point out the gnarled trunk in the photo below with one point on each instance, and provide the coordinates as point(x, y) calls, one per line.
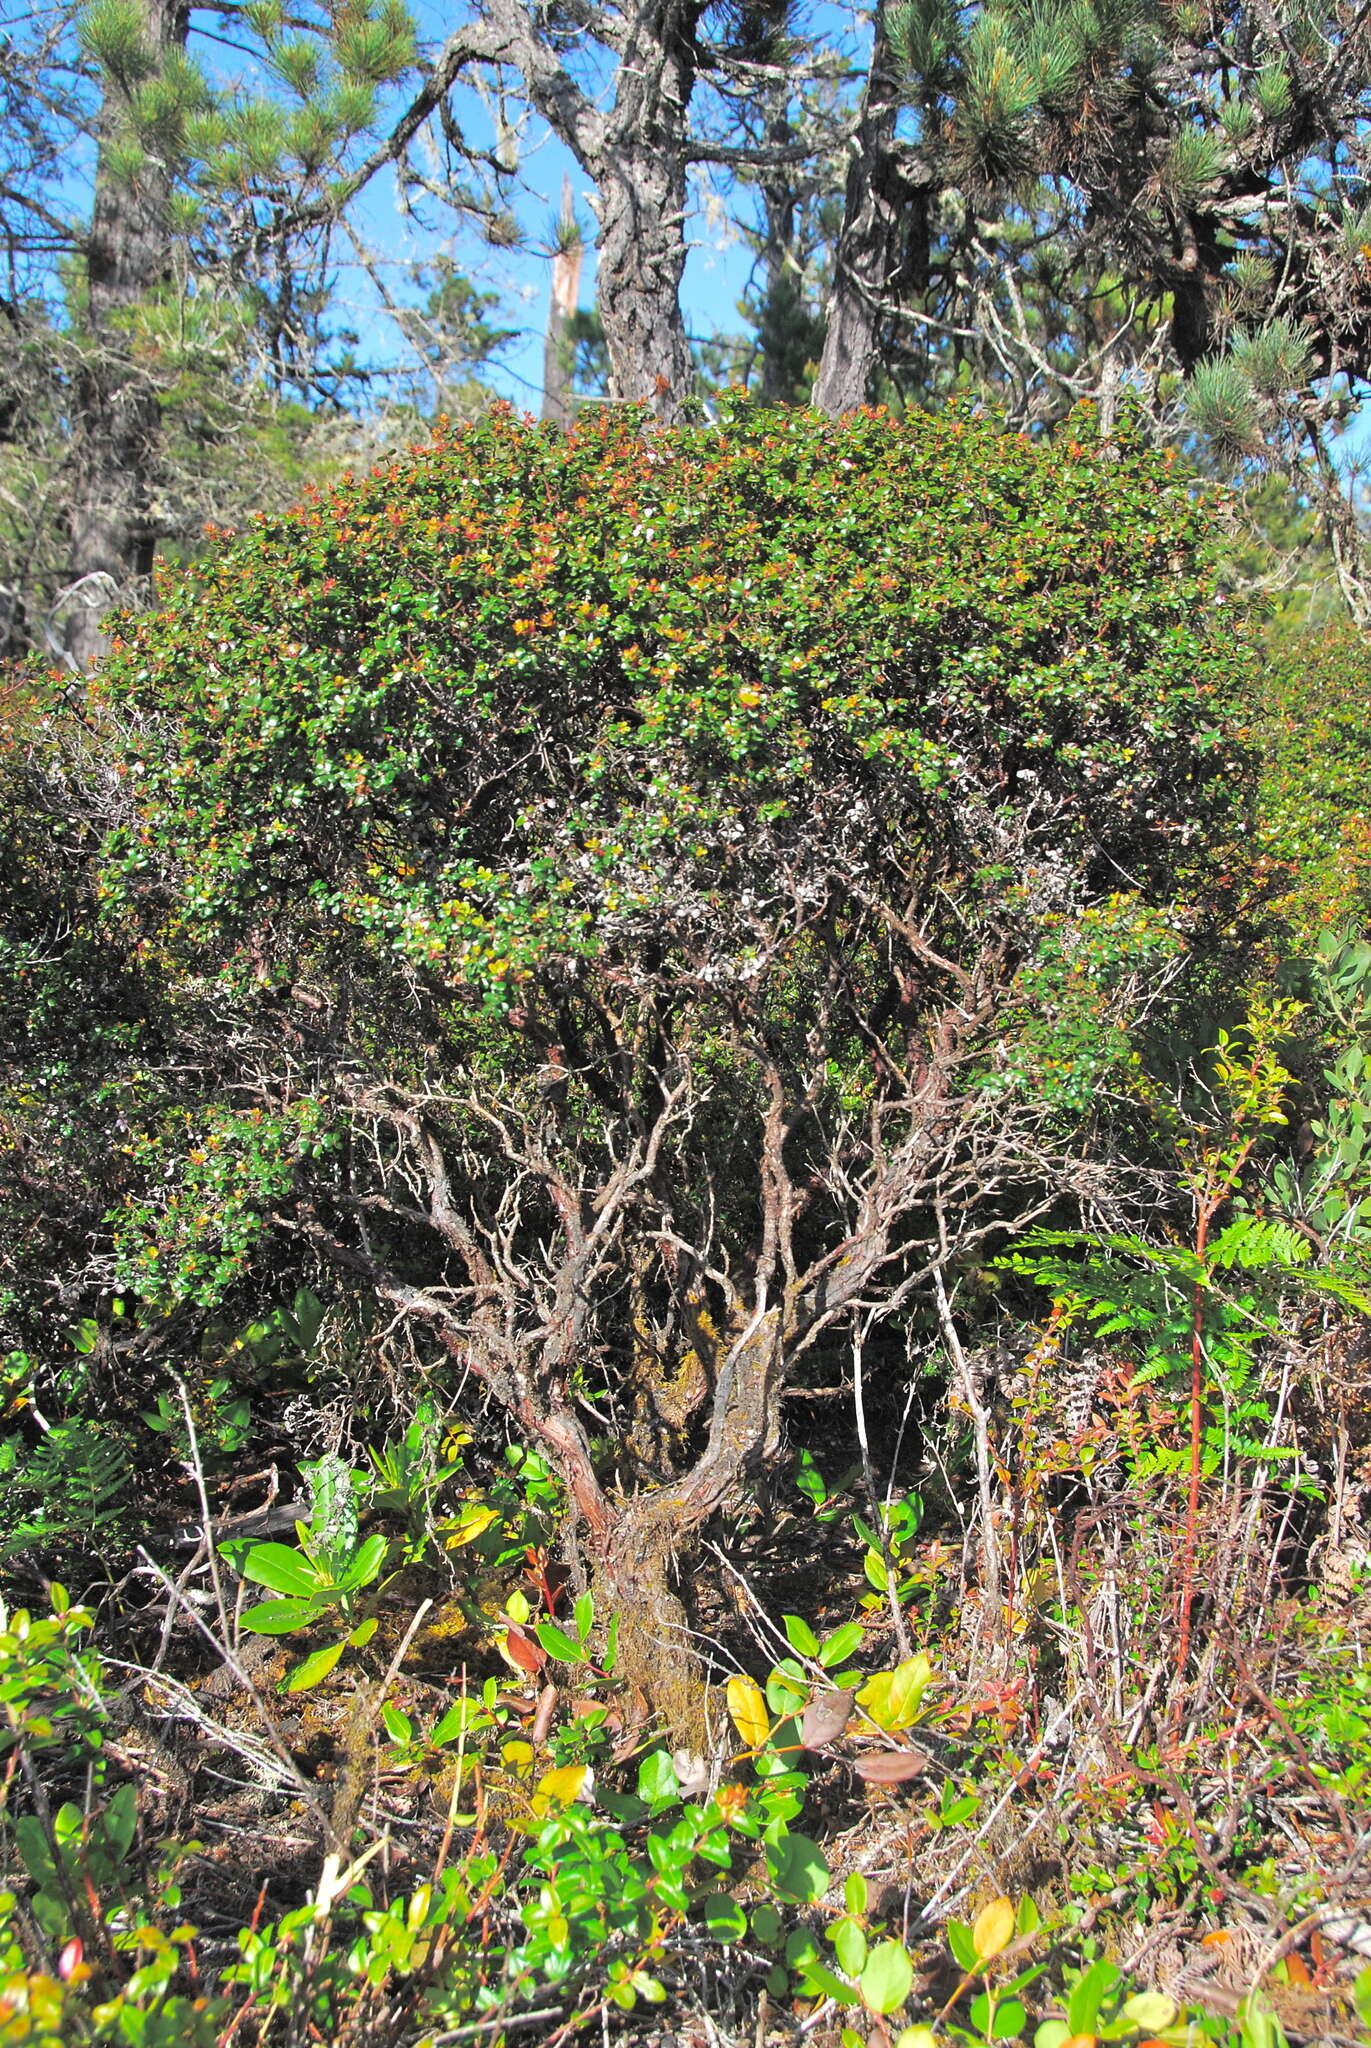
point(640, 260)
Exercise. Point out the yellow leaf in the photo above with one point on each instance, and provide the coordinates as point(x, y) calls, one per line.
point(891, 1698)
point(993, 1928)
point(559, 1788)
point(467, 1526)
point(747, 1706)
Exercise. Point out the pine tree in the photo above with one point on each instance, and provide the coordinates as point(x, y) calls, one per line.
point(1091, 198)
point(201, 247)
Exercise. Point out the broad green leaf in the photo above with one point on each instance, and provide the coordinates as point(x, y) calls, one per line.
point(838, 1647)
point(849, 1946)
point(786, 1687)
point(724, 1917)
point(462, 1717)
point(817, 1980)
point(657, 1780)
point(365, 1564)
point(888, 1977)
point(559, 1644)
point(798, 1869)
point(398, 1726)
point(311, 1670)
point(280, 1617)
point(1361, 1996)
point(363, 1633)
point(120, 1818)
point(962, 1946)
point(282, 1569)
point(1028, 1919)
point(1004, 2020)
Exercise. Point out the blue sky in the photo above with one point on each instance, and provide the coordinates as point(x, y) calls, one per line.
point(716, 272)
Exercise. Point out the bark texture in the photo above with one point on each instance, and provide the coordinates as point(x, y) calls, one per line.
point(869, 256)
point(636, 151)
point(112, 518)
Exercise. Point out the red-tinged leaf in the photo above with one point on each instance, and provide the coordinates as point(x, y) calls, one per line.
point(890, 1766)
point(825, 1718)
point(612, 1722)
point(70, 1959)
point(523, 1652)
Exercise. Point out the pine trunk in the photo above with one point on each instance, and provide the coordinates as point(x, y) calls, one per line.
point(641, 254)
point(112, 520)
point(869, 253)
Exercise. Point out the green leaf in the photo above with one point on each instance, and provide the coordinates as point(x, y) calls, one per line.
point(657, 1780)
point(1151, 2012)
point(888, 1977)
point(817, 1980)
point(1002, 2021)
point(559, 1644)
point(313, 1669)
point(1361, 1996)
point(398, 1726)
point(283, 1569)
point(724, 1917)
point(873, 1564)
point(120, 1819)
point(800, 1635)
point(837, 1648)
point(798, 1869)
point(280, 1617)
point(365, 1564)
point(1087, 1997)
point(963, 1947)
point(462, 1717)
point(849, 1945)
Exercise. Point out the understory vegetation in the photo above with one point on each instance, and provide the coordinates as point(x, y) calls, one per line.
point(685, 1264)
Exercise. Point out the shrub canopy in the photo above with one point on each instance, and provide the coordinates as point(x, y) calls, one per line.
point(517, 698)
point(636, 901)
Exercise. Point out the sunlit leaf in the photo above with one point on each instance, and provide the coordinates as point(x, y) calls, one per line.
point(993, 1929)
point(888, 1978)
point(748, 1711)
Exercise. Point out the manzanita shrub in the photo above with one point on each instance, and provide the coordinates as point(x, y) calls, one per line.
point(633, 899)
